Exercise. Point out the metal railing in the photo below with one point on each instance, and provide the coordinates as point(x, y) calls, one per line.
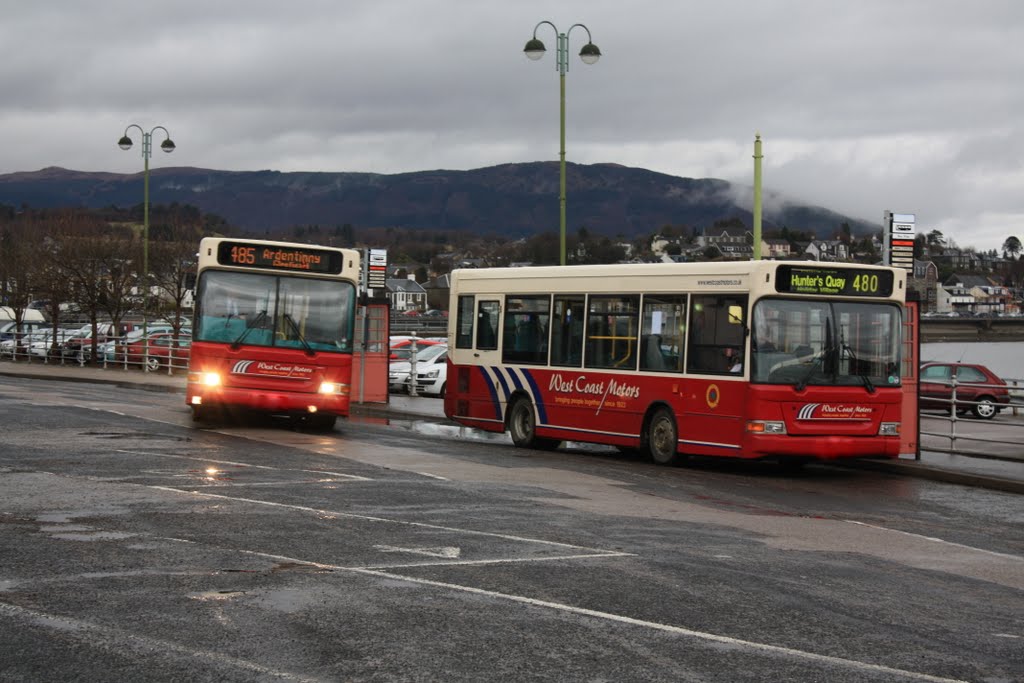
point(970, 426)
point(175, 362)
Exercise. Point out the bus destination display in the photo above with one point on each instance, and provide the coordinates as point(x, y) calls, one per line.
point(277, 257)
point(833, 281)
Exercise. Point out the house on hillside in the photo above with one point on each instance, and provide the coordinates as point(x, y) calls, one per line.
point(988, 297)
point(828, 250)
point(406, 295)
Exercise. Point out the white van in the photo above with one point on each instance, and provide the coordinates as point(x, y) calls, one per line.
point(30, 315)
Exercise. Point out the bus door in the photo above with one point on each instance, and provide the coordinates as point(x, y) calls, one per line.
point(473, 359)
point(716, 362)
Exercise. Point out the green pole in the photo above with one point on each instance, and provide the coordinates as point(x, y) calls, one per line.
point(757, 197)
point(147, 140)
point(561, 176)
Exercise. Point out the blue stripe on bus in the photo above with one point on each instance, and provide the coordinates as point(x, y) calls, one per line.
point(494, 392)
point(542, 411)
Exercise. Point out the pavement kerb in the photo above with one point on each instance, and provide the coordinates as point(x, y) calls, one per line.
point(921, 471)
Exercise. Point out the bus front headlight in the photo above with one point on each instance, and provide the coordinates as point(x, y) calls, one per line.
point(766, 427)
point(889, 429)
point(333, 388)
point(210, 379)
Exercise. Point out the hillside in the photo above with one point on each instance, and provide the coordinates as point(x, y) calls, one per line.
point(510, 199)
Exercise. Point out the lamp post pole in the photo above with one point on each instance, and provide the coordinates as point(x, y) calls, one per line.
point(147, 146)
point(589, 54)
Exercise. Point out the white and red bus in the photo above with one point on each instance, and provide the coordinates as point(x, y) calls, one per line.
point(273, 330)
point(792, 361)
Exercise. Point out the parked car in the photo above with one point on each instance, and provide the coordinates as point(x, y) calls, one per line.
point(162, 350)
point(401, 347)
point(978, 389)
point(399, 371)
point(79, 345)
point(432, 376)
point(21, 344)
point(115, 351)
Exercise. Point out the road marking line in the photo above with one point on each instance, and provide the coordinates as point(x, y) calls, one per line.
point(353, 477)
point(937, 540)
point(448, 552)
point(369, 518)
point(766, 648)
point(99, 636)
point(484, 563)
point(678, 630)
point(432, 476)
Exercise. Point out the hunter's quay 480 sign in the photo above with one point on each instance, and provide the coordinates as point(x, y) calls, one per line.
point(833, 281)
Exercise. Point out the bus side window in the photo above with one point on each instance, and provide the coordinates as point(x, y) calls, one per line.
point(464, 323)
point(716, 324)
point(488, 314)
point(612, 332)
point(661, 332)
point(567, 331)
point(526, 329)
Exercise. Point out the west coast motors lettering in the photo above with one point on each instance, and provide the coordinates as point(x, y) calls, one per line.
point(252, 367)
point(581, 392)
point(255, 255)
point(831, 411)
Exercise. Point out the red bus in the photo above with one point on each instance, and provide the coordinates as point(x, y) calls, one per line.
point(790, 361)
point(273, 330)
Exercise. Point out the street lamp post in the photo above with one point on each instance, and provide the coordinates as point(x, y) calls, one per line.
point(589, 54)
point(147, 146)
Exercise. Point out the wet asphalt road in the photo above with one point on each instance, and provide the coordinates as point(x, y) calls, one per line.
point(134, 546)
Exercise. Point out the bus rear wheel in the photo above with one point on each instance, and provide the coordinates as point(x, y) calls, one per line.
point(661, 438)
point(522, 425)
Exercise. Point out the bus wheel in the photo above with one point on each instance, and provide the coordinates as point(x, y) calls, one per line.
point(522, 425)
point(661, 438)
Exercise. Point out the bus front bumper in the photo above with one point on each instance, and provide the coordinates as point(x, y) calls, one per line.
point(822, 448)
point(259, 400)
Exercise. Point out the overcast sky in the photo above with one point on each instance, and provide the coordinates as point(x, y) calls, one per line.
point(913, 106)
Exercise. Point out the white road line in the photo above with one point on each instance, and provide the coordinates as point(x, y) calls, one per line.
point(369, 518)
point(484, 563)
point(678, 630)
point(109, 638)
point(353, 477)
point(937, 540)
point(775, 650)
point(432, 476)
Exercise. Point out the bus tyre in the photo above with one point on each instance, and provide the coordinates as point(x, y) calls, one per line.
point(522, 425)
point(661, 438)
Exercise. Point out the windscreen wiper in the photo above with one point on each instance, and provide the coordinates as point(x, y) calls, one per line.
point(298, 335)
point(802, 383)
point(853, 357)
point(260, 317)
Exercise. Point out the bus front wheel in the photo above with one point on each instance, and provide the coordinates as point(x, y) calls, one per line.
point(522, 425)
point(661, 438)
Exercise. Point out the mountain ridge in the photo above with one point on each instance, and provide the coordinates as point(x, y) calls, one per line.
point(513, 199)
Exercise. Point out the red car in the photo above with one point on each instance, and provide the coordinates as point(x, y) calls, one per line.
point(162, 350)
point(978, 389)
point(401, 349)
